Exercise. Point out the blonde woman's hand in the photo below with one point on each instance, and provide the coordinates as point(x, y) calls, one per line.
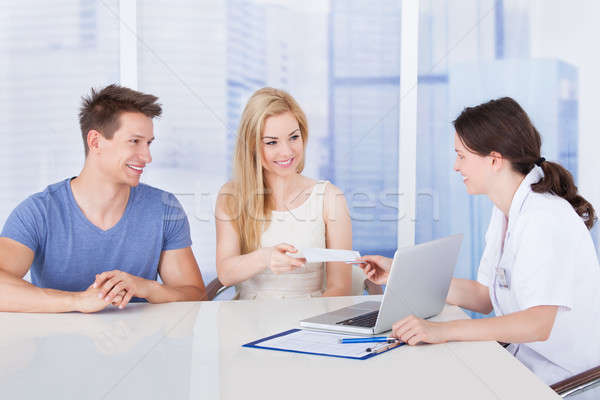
point(377, 268)
point(279, 262)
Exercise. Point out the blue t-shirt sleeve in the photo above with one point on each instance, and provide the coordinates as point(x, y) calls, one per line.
point(176, 225)
point(27, 224)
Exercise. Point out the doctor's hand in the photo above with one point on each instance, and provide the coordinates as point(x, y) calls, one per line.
point(413, 330)
point(377, 268)
point(279, 262)
point(113, 283)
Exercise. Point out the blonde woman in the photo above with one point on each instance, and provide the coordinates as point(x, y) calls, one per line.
point(269, 210)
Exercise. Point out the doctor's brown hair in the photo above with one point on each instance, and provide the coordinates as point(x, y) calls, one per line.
point(503, 126)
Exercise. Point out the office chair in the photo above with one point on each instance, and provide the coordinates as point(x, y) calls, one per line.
point(577, 383)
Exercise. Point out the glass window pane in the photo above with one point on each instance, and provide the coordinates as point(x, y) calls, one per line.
point(50, 55)
point(467, 56)
point(339, 59)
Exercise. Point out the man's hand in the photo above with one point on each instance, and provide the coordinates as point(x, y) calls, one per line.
point(90, 300)
point(112, 283)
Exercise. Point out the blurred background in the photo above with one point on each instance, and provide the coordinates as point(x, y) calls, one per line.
point(341, 60)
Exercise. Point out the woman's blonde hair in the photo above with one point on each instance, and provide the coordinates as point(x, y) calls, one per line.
point(250, 206)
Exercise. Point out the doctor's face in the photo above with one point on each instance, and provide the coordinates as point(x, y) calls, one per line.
point(476, 170)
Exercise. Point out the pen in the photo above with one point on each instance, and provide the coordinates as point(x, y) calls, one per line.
point(372, 349)
point(376, 339)
point(381, 349)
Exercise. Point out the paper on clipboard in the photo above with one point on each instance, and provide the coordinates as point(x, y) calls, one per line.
point(313, 255)
point(322, 344)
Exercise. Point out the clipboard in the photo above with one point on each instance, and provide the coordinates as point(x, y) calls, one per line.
point(319, 344)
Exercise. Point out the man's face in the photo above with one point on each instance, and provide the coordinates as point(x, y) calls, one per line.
point(123, 158)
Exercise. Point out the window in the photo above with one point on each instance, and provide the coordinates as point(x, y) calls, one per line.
point(50, 57)
point(486, 50)
point(339, 60)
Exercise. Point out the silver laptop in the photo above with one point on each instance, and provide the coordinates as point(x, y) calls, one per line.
point(418, 284)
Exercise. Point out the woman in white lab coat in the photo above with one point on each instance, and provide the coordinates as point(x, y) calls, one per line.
point(539, 271)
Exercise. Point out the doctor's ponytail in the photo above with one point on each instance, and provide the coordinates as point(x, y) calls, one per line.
point(503, 126)
point(559, 181)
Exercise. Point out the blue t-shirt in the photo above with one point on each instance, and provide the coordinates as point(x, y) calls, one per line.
point(70, 250)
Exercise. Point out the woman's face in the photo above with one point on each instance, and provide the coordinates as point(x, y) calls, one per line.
point(476, 170)
point(282, 146)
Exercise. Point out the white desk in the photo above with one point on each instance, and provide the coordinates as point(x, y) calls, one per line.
point(193, 351)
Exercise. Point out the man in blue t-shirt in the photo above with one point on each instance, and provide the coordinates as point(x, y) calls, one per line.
point(102, 237)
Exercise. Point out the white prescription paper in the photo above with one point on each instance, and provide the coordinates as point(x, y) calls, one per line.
point(327, 255)
point(319, 342)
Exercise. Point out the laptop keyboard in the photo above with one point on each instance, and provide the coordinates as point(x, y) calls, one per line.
point(365, 320)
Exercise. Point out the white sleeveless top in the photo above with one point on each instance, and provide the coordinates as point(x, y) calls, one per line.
point(302, 227)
